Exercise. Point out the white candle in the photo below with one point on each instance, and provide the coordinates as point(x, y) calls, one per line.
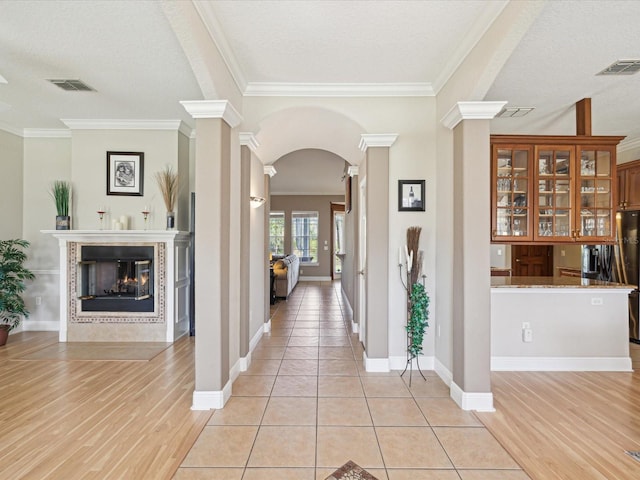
point(410, 262)
point(124, 220)
point(118, 226)
point(113, 224)
point(146, 208)
point(406, 254)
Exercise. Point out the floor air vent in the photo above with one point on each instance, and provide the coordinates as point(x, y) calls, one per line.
point(72, 85)
point(633, 454)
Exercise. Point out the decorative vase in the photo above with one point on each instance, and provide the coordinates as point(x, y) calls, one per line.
point(171, 220)
point(63, 222)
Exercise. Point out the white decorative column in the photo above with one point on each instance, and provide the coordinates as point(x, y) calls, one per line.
point(376, 270)
point(471, 384)
point(214, 121)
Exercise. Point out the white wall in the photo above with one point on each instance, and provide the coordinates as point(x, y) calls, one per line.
point(11, 185)
point(88, 175)
point(45, 160)
point(569, 331)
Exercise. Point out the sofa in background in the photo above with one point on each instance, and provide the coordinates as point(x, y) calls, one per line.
point(286, 271)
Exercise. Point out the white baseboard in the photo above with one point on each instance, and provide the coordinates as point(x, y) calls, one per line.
point(480, 402)
point(235, 370)
point(444, 373)
point(256, 338)
point(376, 364)
point(399, 362)
point(561, 364)
point(215, 399)
point(355, 327)
point(314, 279)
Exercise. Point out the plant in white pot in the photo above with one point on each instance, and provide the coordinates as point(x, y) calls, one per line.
point(12, 277)
point(168, 182)
point(61, 194)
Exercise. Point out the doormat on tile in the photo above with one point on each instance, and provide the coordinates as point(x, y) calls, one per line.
point(351, 471)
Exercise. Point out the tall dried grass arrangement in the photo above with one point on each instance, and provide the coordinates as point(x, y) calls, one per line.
point(413, 245)
point(168, 182)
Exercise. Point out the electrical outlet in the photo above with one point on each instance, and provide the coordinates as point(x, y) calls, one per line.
point(38, 300)
point(527, 335)
point(499, 252)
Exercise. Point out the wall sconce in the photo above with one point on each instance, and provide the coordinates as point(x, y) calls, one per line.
point(256, 202)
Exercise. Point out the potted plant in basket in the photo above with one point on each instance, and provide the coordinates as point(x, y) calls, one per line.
point(168, 182)
point(61, 194)
point(12, 277)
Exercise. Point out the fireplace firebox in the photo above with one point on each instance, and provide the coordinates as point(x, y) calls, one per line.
point(115, 278)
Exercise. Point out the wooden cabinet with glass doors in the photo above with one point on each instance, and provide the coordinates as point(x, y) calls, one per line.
point(553, 189)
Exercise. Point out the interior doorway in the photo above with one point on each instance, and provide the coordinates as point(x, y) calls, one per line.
point(337, 239)
point(532, 260)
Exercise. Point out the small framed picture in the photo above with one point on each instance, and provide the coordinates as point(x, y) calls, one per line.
point(125, 173)
point(411, 196)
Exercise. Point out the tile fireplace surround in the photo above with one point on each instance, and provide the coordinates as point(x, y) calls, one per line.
point(169, 319)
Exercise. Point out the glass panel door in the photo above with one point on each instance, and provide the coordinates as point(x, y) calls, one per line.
point(512, 209)
point(595, 196)
point(553, 167)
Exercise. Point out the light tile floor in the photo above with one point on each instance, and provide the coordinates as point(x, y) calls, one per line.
point(306, 406)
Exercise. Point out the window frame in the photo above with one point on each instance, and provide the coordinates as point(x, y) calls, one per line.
point(306, 214)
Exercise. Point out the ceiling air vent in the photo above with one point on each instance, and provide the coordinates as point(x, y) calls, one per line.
point(622, 67)
point(512, 112)
point(72, 85)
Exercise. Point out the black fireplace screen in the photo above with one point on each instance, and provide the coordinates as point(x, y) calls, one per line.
point(116, 278)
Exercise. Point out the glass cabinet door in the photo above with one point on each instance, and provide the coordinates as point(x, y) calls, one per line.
point(511, 209)
point(595, 196)
point(554, 174)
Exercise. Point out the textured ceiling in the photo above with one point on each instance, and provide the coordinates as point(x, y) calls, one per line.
point(129, 53)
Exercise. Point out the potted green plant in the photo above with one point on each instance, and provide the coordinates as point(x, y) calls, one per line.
point(168, 182)
point(12, 277)
point(61, 194)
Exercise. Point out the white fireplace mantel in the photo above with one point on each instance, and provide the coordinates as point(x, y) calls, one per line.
point(174, 308)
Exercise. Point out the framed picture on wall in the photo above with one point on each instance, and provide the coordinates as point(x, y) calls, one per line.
point(125, 173)
point(411, 196)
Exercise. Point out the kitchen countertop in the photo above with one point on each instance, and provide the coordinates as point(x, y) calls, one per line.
point(553, 282)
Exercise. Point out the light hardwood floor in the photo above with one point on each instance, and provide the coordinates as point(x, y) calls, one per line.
point(95, 419)
point(132, 420)
point(569, 425)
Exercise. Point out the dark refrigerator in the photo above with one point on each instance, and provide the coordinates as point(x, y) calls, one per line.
point(626, 267)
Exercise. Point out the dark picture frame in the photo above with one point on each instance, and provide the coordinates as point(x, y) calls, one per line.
point(411, 196)
point(125, 173)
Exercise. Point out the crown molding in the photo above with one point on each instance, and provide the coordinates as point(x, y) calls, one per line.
point(118, 124)
point(471, 111)
point(213, 109)
point(215, 30)
point(249, 139)
point(256, 89)
point(377, 140)
point(628, 144)
point(269, 170)
point(353, 170)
